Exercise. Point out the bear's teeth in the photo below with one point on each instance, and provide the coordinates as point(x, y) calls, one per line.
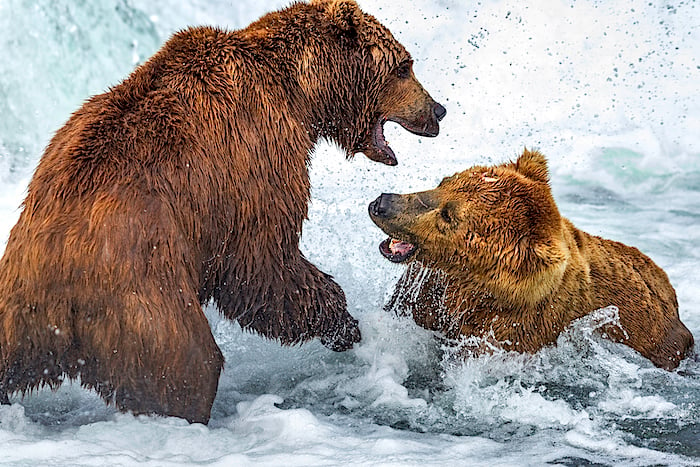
point(398, 247)
point(392, 245)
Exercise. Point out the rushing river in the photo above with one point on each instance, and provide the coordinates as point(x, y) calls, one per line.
point(608, 90)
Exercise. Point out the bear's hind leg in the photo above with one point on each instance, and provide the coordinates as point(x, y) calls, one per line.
point(155, 360)
point(676, 345)
point(37, 348)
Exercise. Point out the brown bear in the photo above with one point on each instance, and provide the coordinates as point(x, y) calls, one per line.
point(188, 183)
point(492, 258)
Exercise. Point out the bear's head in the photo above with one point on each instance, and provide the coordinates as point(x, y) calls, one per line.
point(360, 77)
point(497, 226)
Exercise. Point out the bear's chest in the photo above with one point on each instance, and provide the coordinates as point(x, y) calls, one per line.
point(520, 329)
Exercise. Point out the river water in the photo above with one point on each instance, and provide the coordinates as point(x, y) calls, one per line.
point(609, 91)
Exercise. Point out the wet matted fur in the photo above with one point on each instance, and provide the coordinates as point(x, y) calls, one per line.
point(188, 182)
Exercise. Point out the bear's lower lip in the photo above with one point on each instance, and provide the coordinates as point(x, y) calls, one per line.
point(396, 251)
point(379, 150)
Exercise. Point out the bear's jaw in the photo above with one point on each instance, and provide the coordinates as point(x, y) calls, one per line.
point(396, 251)
point(377, 149)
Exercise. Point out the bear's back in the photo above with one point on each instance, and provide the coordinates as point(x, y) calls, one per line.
point(624, 277)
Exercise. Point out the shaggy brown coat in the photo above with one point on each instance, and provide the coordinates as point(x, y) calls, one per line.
point(188, 182)
point(493, 258)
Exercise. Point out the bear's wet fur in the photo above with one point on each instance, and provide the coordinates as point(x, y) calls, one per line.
point(491, 257)
point(188, 182)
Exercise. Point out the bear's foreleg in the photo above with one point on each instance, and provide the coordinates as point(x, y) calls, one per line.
point(336, 328)
point(420, 293)
point(295, 303)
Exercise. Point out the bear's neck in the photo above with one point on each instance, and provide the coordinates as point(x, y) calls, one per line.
point(313, 72)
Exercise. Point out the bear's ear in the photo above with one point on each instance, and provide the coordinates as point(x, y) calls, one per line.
point(533, 165)
point(551, 253)
point(345, 14)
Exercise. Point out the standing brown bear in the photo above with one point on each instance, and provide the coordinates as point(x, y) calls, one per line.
point(492, 258)
point(188, 182)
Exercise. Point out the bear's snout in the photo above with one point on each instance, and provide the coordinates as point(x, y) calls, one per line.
point(383, 206)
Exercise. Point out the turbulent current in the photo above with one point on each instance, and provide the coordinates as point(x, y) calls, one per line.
point(607, 90)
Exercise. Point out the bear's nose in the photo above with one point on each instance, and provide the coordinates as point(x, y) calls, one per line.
point(439, 111)
point(381, 206)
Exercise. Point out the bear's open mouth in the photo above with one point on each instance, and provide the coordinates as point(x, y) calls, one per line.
point(395, 250)
point(376, 146)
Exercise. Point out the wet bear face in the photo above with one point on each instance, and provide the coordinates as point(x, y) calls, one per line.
point(366, 78)
point(485, 220)
point(400, 99)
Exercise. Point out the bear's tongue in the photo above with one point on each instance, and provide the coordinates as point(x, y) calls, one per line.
point(397, 247)
point(395, 250)
point(379, 150)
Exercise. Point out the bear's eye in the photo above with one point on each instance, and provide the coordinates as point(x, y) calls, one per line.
point(446, 215)
point(404, 70)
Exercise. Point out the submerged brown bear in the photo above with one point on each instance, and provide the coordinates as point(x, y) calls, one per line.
point(188, 182)
point(514, 272)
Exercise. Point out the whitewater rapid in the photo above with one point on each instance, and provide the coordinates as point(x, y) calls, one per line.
point(608, 91)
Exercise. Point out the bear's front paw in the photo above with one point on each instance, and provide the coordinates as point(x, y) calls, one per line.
point(343, 336)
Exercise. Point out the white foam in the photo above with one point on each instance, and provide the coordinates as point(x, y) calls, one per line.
point(562, 77)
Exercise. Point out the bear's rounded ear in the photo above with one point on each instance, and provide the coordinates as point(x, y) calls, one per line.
point(533, 165)
point(345, 14)
point(551, 253)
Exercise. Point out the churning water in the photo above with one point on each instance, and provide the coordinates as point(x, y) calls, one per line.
point(608, 90)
